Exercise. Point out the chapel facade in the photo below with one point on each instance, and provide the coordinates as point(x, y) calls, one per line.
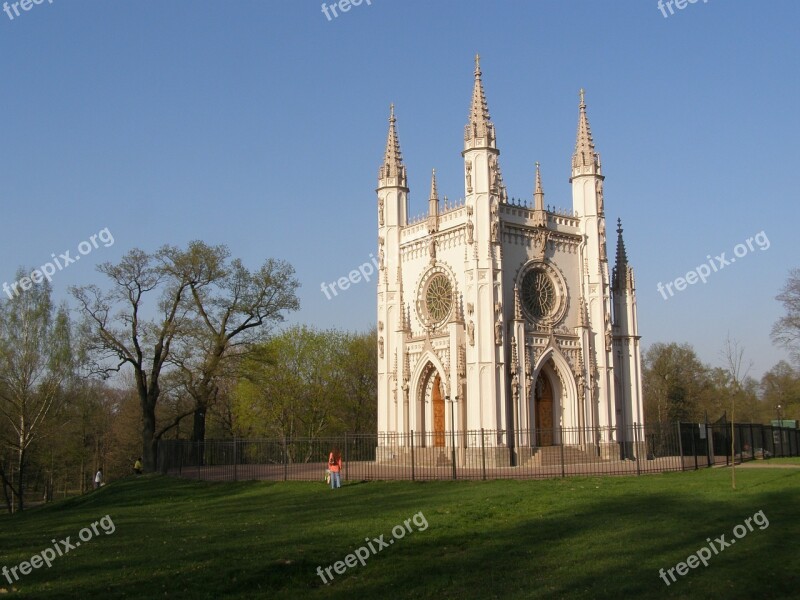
point(500, 315)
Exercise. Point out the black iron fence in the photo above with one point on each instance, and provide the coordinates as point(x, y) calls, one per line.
point(481, 454)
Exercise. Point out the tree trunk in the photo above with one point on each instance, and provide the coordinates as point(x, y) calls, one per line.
point(149, 449)
point(21, 480)
point(199, 432)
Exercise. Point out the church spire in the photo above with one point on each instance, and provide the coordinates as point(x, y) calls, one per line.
point(479, 131)
point(623, 272)
point(538, 193)
point(539, 216)
point(433, 201)
point(434, 191)
point(392, 166)
point(585, 155)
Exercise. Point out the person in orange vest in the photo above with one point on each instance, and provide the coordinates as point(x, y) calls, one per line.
point(335, 467)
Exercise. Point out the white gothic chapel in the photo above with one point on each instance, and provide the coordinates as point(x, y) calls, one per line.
point(498, 315)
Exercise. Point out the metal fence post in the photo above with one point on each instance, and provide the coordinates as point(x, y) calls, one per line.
point(285, 460)
point(636, 448)
point(198, 460)
point(561, 440)
point(346, 455)
point(413, 477)
point(694, 448)
point(680, 446)
point(483, 454)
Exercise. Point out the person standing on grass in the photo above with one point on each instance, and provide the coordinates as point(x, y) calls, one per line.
point(137, 466)
point(98, 479)
point(335, 466)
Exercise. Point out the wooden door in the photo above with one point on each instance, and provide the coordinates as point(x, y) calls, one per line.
point(438, 412)
point(544, 411)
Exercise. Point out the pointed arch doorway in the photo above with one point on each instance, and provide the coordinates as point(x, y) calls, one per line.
point(543, 410)
point(432, 394)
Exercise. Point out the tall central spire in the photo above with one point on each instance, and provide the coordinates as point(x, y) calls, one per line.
point(479, 131)
point(392, 166)
point(585, 155)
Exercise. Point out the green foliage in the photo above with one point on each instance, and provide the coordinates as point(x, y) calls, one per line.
point(307, 382)
point(780, 387)
point(36, 365)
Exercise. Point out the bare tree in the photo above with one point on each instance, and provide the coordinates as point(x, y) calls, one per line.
point(733, 358)
point(125, 337)
point(233, 308)
point(786, 331)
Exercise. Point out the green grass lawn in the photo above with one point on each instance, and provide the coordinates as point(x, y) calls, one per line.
point(564, 538)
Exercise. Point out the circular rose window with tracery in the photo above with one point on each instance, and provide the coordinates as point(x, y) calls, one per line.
point(538, 294)
point(543, 294)
point(438, 298)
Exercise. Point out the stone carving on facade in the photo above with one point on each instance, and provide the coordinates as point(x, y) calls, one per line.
point(471, 333)
point(380, 346)
point(599, 189)
point(495, 224)
point(381, 255)
point(493, 173)
point(380, 211)
point(602, 228)
point(432, 250)
point(498, 324)
point(469, 176)
point(539, 243)
point(470, 308)
point(528, 370)
point(380, 325)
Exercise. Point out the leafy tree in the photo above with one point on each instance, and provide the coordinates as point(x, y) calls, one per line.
point(359, 361)
point(35, 364)
point(675, 382)
point(780, 386)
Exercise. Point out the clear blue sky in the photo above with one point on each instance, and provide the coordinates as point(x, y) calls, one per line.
point(261, 125)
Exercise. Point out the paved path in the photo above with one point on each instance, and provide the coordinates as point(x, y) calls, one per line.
point(761, 464)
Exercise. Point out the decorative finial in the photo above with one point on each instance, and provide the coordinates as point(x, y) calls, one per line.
point(583, 101)
point(477, 64)
point(391, 113)
point(619, 225)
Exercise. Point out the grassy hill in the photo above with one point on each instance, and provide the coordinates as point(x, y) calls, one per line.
point(571, 538)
